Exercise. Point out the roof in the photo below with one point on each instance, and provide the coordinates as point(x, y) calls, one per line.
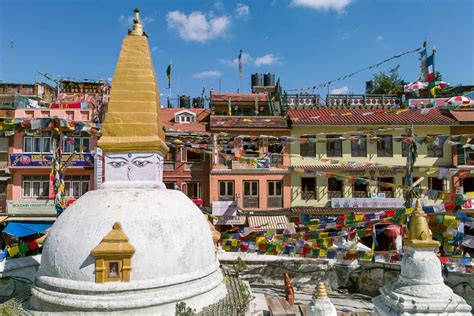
point(463, 116)
point(202, 116)
point(324, 116)
point(267, 122)
point(268, 222)
point(238, 97)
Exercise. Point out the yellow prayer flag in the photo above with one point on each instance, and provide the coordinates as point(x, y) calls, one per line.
point(401, 111)
point(12, 251)
point(323, 253)
point(408, 211)
point(261, 240)
point(359, 217)
point(323, 235)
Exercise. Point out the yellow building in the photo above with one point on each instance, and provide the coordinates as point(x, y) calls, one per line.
point(346, 157)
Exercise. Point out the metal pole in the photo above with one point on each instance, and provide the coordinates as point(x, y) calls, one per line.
point(411, 158)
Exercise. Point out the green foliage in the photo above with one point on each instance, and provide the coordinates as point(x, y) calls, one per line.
point(438, 76)
point(240, 265)
point(183, 310)
point(387, 82)
point(7, 311)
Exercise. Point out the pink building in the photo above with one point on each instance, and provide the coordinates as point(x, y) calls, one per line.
point(30, 162)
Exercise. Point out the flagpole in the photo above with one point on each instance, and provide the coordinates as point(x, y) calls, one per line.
point(169, 84)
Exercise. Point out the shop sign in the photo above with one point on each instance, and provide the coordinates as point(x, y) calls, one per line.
point(367, 203)
point(44, 160)
point(230, 220)
point(26, 207)
point(98, 168)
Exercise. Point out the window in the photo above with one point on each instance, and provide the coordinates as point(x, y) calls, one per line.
point(73, 143)
point(405, 146)
point(250, 194)
point(169, 160)
point(170, 185)
point(308, 146)
point(360, 189)
point(275, 197)
point(37, 144)
point(436, 184)
point(3, 148)
point(185, 118)
point(76, 186)
point(385, 146)
point(433, 149)
point(276, 151)
point(335, 188)
point(334, 145)
point(308, 188)
point(383, 188)
point(35, 186)
point(359, 146)
point(192, 156)
point(226, 190)
point(194, 190)
point(250, 149)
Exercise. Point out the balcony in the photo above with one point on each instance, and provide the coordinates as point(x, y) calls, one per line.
point(168, 166)
point(276, 160)
point(360, 194)
point(388, 194)
point(250, 202)
point(308, 195)
point(193, 166)
point(275, 201)
point(335, 194)
point(469, 156)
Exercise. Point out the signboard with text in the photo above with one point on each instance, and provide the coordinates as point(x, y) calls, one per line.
point(31, 207)
point(367, 203)
point(44, 160)
point(98, 168)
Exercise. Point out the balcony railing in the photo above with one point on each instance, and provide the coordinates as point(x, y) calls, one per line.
point(388, 194)
point(250, 202)
point(360, 194)
point(276, 160)
point(469, 156)
point(335, 194)
point(275, 201)
point(168, 165)
point(308, 195)
point(193, 166)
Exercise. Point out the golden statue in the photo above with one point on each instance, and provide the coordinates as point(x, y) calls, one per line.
point(419, 234)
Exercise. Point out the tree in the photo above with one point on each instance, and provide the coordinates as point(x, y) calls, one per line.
point(387, 82)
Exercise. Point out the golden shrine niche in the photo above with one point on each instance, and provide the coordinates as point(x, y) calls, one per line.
point(113, 257)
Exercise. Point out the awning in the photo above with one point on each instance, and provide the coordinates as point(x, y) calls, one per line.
point(4, 178)
point(22, 229)
point(268, 222)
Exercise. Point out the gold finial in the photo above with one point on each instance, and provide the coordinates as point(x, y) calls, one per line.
point(320, 291)
point(419, 234)
point(137, 25)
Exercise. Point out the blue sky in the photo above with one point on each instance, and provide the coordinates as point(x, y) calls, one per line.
point(304, 42)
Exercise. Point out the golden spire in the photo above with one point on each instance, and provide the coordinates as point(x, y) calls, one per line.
point(137, 25)
point(320, 291)
point(419, 234)
point(133, 119)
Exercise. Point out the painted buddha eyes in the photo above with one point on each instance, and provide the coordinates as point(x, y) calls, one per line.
point(117, 164)
point(141, 163)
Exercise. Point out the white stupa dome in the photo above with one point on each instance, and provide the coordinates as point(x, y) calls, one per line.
point(174, 259)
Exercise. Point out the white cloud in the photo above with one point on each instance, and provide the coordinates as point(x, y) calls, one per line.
point(207, 74)
point(197, 26)
point(268, 59)
point(322, 5)
point(342, 90)
point(379, 38)
point(242, 10)
point(128, 20)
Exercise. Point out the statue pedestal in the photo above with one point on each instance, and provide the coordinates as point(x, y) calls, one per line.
point(419, 289)
point(321, 307)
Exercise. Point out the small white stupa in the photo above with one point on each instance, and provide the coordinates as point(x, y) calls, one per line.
point(420, 288)
point(132, 246)
point(321, 304)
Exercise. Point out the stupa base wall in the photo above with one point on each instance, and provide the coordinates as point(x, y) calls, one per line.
point(52, 295)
